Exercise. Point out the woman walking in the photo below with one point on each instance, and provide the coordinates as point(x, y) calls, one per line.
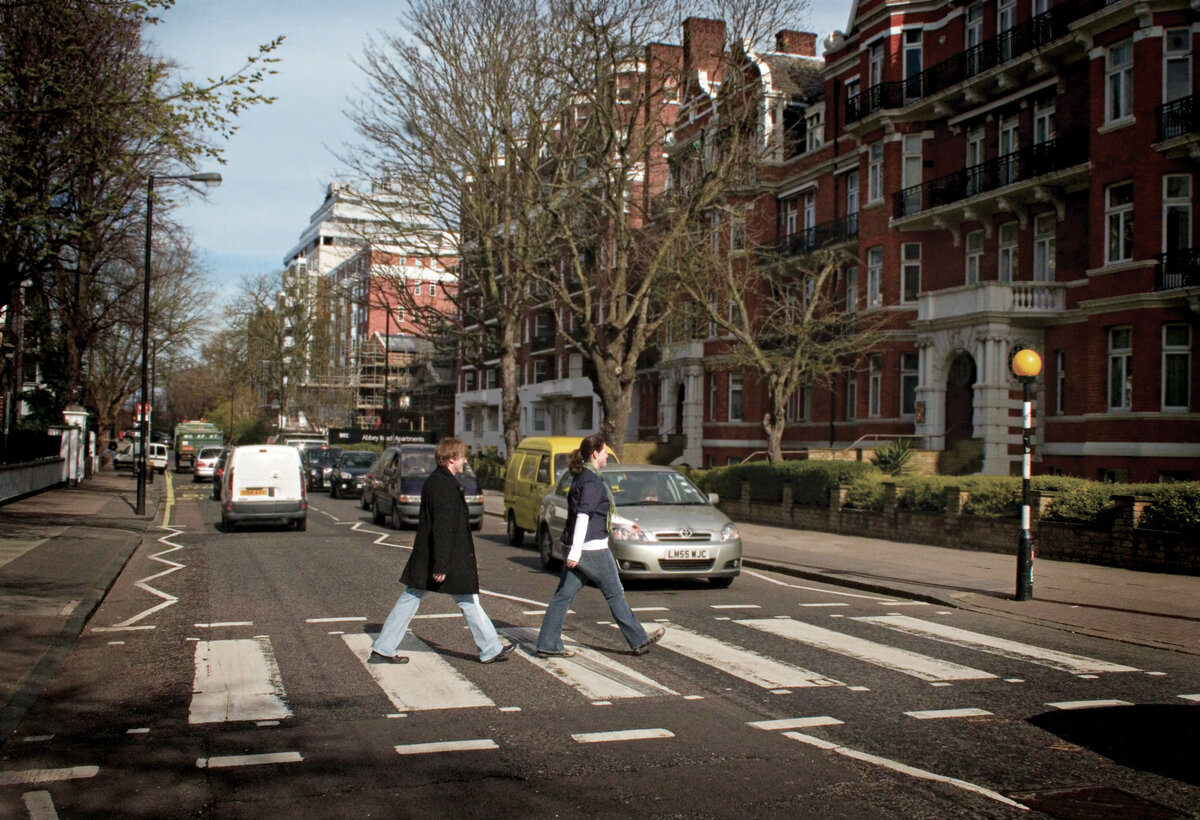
point(589, 522)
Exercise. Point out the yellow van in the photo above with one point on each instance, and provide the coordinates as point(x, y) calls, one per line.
point(532, 471)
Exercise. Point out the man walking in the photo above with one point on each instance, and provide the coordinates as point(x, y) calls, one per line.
point(442, 560)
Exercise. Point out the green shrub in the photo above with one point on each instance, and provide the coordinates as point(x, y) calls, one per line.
point(1079, 501)
point(894, 457)
point(925, 493)
point(1174, 507)
point(866, 492)
point(810, 480)
point(489, 467)
point(992, 496)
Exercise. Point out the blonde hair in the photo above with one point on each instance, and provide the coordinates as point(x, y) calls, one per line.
point(449, 448)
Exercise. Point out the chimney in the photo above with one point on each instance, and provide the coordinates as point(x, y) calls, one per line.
point(803, 43)
point(703, 45)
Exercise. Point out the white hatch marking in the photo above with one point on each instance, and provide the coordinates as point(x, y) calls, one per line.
point(427, 681)
point(624, 734)
point(40, 806)
point(1063, 661)
point(447, 746)
point(1088, 704)
point(233, 761)
point(223, 623)
point(29, 777)
point(817, 605)
point(795, 723)
point(593, 674)
point(741, 663)
point(735, 606)
point(237, 680)
point(937, 714)
point(900, 660)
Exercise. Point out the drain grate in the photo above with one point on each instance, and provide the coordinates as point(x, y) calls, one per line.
point(1095, 803)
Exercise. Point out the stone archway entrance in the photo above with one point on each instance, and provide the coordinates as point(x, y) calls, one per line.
point(960, 398)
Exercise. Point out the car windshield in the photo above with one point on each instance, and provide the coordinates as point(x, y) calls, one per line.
point(324, 457)
point(643, 487)
point(358, 459)
point(417, 464)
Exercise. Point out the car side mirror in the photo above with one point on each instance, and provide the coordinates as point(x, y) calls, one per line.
point(714, 499)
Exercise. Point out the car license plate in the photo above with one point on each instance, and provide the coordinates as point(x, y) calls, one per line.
point(256, 491)
point(687, 554)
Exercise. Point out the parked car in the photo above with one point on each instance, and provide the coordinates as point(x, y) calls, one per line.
point(386, 461)
point(532, 471)
point(663, 526)
point(351, 473)
point(130, 451)
point(319, 464)
point(206, 461)
point(396, 491)
point(264, 482)
point(219, 472)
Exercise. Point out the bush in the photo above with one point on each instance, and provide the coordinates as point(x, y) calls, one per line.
point(926, 493)
point(489, 467)
point(894, 457)
point(810, 480)
point(1079, 501)
point(866, 492)
point(1174, 507)
point(992, 496)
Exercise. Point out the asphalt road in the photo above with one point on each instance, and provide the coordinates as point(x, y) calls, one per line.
point(226, 675)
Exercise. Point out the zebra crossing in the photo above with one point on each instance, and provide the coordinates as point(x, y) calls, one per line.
point(240, 679)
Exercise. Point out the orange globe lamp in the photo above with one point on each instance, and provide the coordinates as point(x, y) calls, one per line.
point(1027, 364)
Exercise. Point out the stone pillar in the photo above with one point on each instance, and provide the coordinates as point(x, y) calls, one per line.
point(1129, 518)
point(837, 501)
point(787, 503)
point(745, 499)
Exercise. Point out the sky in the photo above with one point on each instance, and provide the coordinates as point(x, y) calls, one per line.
point(283, 156)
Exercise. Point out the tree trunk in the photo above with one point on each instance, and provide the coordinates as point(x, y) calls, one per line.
point(616, 400)
point(774, 424)
point(510, 402)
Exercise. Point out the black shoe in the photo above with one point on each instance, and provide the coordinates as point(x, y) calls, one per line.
point(502, 655)
point(566, 653)
point(379, 657)
point(654, 638)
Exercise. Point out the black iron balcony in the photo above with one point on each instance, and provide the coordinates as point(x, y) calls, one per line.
point(1028, 163)
point(1177, 269)
point(1006, 46)
point(1178, 117)
point(818, 236)
point(541, 341)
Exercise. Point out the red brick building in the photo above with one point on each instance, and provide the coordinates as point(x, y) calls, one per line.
point(1002, 175)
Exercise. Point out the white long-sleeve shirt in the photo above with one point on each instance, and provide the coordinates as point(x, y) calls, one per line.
point(578, 544)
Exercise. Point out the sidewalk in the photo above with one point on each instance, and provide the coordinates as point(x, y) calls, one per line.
point(1146, 608)
point(60, 551)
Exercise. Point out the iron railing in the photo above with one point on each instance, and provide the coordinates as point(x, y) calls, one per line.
point(1177, 118)
point(1177, 269)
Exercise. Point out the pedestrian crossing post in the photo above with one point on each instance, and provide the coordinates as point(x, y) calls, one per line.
point(1026, 364)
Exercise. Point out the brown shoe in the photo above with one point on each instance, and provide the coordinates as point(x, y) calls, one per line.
point(379, 657)
point(654, 638)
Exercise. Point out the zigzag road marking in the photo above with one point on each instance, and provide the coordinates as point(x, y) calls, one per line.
point(144, 584)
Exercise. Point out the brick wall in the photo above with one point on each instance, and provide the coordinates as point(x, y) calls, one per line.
point(1127, 546)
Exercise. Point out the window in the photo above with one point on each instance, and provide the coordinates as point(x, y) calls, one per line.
point(797, 407)
point(874, 385)
point(1006, 151)
point(974, 166)
point(1177, 64)
point(851, 290)
point(852, 202)
point(789, 209)
point(973, 37)
point(541, 369)
point(714, 232)
point(974, 256)
point(852, 89)
point(737, 234)
point(910, 272)
point(712, 397)
point(874, 277)
point(432, 289)
point(1060, 381)
point(912, 64)
point(416, 289)
point(875, 64)
point(1176, 367)
point(1118, 215)
point(1120, 368)
point(910, 173)
point(813, 130)
point(851, 395)
point(875, 173)
point(810, 216)
point(493, 378)
point(910, 378)
point(1043, 247)
point(540, 420)
point(1006, 254)
point(1006, 16)
point(1177, 212)
point(468, 421)
point(1118, 100)
point(468, 380)
point(735, 396)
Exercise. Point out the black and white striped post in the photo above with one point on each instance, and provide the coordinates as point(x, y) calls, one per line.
point(1026, 364)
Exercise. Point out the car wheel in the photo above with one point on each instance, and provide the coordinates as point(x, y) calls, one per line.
point(396, 525)
point(301, 524)
point(720, 583)
point(362, 502)
point(546, 549)
point(376, 513)
point(516, 535)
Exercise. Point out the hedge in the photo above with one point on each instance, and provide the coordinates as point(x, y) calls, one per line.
point(810, 480)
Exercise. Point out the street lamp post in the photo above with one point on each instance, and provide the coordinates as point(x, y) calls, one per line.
point(1026, 364)
point(212, 181)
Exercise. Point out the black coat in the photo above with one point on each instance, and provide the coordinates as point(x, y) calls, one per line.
point(443, 543)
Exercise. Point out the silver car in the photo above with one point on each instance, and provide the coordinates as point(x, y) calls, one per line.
point(663, 526)
point(206, 463)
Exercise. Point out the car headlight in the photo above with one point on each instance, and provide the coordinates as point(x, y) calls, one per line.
point(629, 532)
point(730, 532)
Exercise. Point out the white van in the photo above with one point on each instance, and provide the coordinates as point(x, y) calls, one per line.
point(127, 457)
point(264, 482)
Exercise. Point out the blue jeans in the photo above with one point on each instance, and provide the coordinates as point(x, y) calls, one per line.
point(406, 607)
point(599, 566)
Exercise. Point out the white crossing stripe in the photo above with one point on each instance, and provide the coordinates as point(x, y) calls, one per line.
point(1063, 661)
point(899, 660)
point(237, 680)
point(233, 761)
point(1190, 697)
point(29, 777)
point(593, 674)
point(427, 681)
point(796, 723)
point(624, 734)
point(446, 746)
point(742, 663)
point(1088, 704)
point(937, 714)
point(39, 805)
